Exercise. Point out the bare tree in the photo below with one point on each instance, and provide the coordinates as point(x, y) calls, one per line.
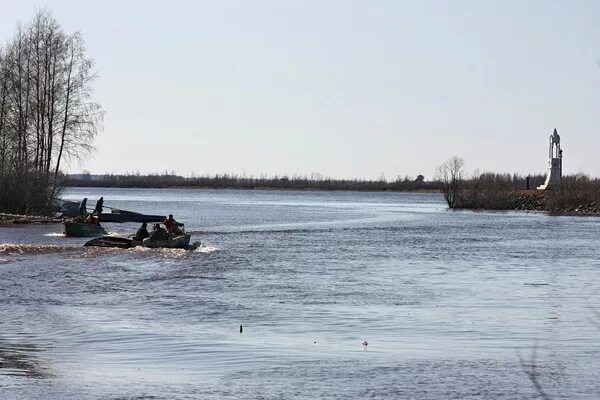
point(47, 115)
point(80, 118)
point(451, 175)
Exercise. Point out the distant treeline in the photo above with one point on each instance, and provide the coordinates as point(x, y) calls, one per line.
point(495, 181)
point(227, 181)
point(487, 191)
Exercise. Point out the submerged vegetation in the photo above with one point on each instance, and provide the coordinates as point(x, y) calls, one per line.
point(46, 113)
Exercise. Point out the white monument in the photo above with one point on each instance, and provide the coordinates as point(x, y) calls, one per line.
point(554, 163)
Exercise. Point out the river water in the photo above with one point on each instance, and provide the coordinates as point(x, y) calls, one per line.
point(447, 302)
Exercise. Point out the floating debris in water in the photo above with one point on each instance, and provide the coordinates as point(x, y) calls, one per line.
point(241, 328)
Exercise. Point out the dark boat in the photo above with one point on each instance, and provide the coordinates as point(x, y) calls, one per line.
point(80, 229)
point(113, 241)
point(180, 241)
point(71, 209)
point(129, 216)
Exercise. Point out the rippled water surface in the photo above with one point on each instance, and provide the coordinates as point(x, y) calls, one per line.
point(447, 302)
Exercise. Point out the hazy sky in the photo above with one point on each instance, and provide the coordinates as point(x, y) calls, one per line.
point(343, 88)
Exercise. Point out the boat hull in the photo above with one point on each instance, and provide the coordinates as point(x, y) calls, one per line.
point(78, 229)
point(176, 242)
point(113, 241)
point(71, 209)
point(129, 216)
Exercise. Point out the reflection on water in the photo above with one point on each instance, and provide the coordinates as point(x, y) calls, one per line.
point(21, 360)
point(54, 234)
point(444, 300)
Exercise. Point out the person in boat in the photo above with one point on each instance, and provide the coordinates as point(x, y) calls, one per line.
point(159, 233)
point(99, 206)
point(172, 225)
point(91, 220)
point(83, 207)
point(142, 233)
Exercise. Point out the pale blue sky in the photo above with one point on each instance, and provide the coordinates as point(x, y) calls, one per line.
point(343, 88)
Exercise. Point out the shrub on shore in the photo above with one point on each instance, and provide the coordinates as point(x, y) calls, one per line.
point(28, 192)
point(574, 194)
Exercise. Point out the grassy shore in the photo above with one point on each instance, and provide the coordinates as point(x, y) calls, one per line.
point(581, 198)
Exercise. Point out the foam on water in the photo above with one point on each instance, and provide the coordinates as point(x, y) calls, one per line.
point(13, 248)
point(54, 234)
point(206, 248)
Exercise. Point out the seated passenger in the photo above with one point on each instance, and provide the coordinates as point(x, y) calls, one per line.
point(159, 233)
point(172, 225)
point(90, 220)
point(142, 233)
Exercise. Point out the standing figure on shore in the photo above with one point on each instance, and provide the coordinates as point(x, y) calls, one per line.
point(83, 207)
point(99, 206)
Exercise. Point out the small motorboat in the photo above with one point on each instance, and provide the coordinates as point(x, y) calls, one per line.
point(71, 209)
point(129, 216)
point(81, 229)
point(113, 241)
point(177, 241)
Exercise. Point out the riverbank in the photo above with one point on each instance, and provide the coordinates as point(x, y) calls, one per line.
point(554, 202)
